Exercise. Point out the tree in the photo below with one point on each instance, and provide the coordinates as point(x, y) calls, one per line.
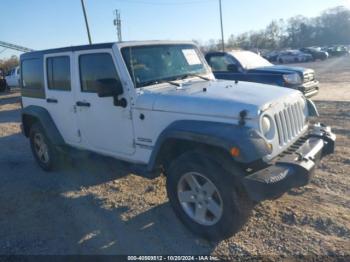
point(331, 27)
point(7, 64)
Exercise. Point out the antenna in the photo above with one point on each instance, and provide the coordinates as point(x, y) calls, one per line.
point(118, 24)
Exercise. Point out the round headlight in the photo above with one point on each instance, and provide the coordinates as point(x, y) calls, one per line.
point(267, 127)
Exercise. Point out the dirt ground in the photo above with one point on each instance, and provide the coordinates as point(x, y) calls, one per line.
point(97, 207)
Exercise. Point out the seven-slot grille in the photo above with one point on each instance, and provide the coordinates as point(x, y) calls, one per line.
point(289, 122)
point(309, 76)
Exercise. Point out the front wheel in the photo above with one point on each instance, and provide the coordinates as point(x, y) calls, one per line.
point(206, 197)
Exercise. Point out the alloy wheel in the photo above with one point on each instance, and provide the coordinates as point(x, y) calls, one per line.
point(200, 198)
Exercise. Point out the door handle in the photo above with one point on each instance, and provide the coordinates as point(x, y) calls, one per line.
point(51, 100)
point(80, 103)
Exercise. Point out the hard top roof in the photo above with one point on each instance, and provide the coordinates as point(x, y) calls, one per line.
point(98, 46)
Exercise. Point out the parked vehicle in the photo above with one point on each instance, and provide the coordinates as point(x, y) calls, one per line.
point(338, 50)
point(222, 146)
point(293, 56)
point(2, 81)
point(271, 56)
point(12, 78)
point(316, 52)
point(247, 66)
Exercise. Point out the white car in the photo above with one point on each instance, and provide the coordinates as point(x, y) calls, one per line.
point(12, 78)
point(293, 56)
point(156, 105)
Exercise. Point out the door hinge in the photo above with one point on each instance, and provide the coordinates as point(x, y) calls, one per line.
point(127, 114)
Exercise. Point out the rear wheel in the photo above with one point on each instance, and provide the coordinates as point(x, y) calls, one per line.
point(44, 152)
point(206, 197)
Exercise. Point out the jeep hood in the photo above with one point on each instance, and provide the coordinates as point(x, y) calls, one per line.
point(213, 98)
point(280, 69)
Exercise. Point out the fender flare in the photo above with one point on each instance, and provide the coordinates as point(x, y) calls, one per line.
point(46, 121)
point(222, 135)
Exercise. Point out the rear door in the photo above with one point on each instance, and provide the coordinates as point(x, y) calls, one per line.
point(60, 96)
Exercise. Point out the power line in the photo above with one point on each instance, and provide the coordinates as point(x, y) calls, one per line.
point(15, 47)
point(167, 3)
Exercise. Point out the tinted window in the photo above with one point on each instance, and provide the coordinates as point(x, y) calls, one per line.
point(220, 62)
point(58, 73)
point(96, 67)
point(32, 72)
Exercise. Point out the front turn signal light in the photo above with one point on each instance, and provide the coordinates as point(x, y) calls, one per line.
point(234, 151)
point(270, 146)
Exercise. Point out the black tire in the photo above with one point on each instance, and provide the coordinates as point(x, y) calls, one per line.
point(52, 162)
point(236, 205)
point(2, 85)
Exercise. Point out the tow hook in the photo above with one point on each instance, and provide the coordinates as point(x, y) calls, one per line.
point(301, 157)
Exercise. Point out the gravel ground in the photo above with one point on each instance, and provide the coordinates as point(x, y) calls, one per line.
point(97, 207)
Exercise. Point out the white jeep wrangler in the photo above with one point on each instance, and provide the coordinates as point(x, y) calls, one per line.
point(221, 145)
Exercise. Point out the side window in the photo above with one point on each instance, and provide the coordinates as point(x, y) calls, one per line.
point(32, 74)
point(219, 63)
point(58, 73)
point(96, 67)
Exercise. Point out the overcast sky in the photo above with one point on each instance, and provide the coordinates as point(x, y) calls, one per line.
point(42, 24)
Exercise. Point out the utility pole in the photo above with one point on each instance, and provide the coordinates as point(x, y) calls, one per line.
point(118, 23)
point(86, 21)
point(222, 28)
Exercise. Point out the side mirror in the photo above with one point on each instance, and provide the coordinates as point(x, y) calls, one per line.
point(232, 68)
point(109, 87)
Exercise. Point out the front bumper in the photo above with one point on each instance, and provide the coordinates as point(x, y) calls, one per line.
point(292, 170)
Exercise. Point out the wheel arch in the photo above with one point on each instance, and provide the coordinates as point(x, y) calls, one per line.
point(37, 114)
point(213, 138)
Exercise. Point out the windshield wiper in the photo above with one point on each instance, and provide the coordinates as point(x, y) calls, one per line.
point(189, 75)
point(154, 82)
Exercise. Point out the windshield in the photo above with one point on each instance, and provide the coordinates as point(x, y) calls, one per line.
point(153, 64)
point(250, 60)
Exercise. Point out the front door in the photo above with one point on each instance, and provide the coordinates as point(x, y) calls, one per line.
point(60, 96)
point(105, 127)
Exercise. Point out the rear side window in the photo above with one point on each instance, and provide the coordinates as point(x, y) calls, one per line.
point(58, 73)
point(32, 74)
point(96, 67)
